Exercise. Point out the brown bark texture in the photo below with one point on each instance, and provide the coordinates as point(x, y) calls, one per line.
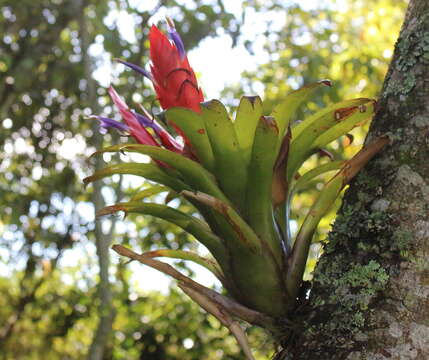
point(370, 294)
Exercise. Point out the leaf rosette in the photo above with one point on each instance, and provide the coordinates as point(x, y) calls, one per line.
point(240, 175)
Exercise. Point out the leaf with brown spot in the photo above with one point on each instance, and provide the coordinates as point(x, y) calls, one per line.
point(243, 231)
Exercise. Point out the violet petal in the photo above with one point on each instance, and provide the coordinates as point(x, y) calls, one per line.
point(175, 37)
point(140, 70)
point(107, 123)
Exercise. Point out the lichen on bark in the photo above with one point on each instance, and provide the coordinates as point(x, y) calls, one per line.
point(370, 293)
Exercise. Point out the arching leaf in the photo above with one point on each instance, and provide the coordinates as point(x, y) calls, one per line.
point(243, 231)
point(193, 174)
point(305, 136)
point(150, 191)
point(284, 111)
point(313, 173)
point(148, 171)
point(209, 264)
point(190, 224)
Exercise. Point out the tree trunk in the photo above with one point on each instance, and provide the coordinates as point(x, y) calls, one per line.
point(370, 295)
point(106, 310)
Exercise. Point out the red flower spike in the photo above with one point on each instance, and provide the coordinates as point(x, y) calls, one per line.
point(169, 142)
point(137, 131)
point(166, 139)
point(174, 80)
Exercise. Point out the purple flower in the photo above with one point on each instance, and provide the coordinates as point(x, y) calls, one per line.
point(146, 122)
point(140, 70)
point(107, 123)
point(175, 37)
point(138, 131)
point(166, 139)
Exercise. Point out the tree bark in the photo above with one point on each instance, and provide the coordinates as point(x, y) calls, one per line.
point(370, 294)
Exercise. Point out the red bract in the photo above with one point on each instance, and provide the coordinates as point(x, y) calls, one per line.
point(137, 131)
point(174, 80)
point(176, 86)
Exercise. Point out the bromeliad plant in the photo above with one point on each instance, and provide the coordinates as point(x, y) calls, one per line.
point(240, 174)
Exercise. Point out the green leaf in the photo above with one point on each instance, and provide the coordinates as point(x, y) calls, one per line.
point(209, 264)
point(199, 229)
point(305, 135)
point(148, 171)
point(259, 213)
point(302, 243)
point(248, 113)
point(313, 173)
point(284, 111)
point(252, 266)
point(194, 175)
point(230, 169)
point(244, 232)
point(194, 128)
point(366, 112)
point(150, 191)
point(301, 126)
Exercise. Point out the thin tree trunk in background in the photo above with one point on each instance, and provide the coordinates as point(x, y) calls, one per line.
point(370, 297)
point(106, 311)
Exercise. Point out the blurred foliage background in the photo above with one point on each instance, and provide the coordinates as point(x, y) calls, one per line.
point(58, 280)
